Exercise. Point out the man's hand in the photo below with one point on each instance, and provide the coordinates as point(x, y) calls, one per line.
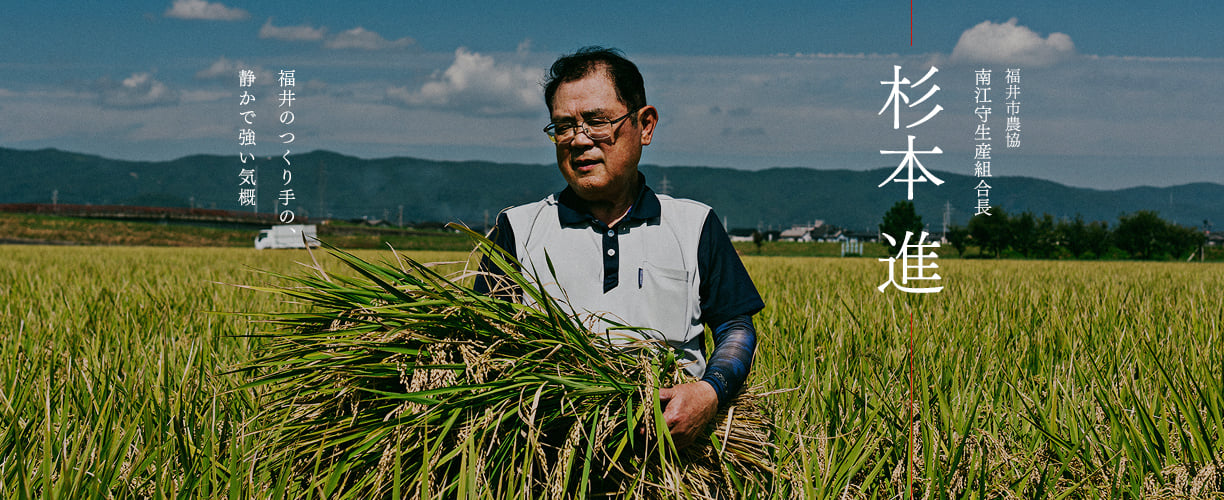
point(687, 410)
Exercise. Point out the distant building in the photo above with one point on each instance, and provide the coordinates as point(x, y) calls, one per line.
point(741, 234)
point(835, 234)
point(1215, 239)
point(869, 236)
point(811, 232)
point(366, 221)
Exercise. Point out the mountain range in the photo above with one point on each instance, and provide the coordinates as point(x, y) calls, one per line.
point(328, 184)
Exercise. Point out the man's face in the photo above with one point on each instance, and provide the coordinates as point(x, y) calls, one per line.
point(603, 170)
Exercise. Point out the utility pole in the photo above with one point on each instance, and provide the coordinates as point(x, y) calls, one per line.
point(401, 216)
point(1207, 236)
point(665, 186)
point(947, 217)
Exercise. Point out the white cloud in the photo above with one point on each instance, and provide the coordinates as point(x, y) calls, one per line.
point(291, 33)
point(226, 69)
point(220, 68)
point(1009, 43)
point(361, 38)
point(209, 11)
point(136, 91)
point(476, 84)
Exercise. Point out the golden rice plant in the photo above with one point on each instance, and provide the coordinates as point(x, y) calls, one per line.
point(399, 382)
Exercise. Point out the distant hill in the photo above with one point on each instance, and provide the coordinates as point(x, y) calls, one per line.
point(330, 184)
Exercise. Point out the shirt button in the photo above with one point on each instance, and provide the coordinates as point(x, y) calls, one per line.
point(611, 252)
point(611, 233)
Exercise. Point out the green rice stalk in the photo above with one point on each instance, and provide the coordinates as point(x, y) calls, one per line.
point(403, 380)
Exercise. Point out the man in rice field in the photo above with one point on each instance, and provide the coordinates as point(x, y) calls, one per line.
point(622, 253)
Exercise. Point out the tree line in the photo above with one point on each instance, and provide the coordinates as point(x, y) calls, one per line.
point(1141, 235)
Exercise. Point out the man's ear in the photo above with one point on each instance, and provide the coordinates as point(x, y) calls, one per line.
point(648, 116)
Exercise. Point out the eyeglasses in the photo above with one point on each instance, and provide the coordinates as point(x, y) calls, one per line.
point(597, 129)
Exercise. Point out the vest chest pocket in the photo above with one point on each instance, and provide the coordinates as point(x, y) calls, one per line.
point(662, 301)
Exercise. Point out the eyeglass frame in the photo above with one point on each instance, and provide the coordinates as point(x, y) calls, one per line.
point(551, 129)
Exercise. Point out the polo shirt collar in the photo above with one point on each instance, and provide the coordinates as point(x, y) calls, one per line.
point(570, 209)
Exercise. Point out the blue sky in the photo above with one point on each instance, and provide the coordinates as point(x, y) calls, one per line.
point(1111, 96)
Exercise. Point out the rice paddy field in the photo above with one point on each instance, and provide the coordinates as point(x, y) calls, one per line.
point(1028, 379)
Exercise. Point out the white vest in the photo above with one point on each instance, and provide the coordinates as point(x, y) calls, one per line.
point(658, 278)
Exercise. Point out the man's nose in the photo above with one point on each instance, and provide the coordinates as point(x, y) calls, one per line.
point(582, 138)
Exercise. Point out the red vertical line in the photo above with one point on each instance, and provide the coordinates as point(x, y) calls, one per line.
point(909, 455)
point(911, 31)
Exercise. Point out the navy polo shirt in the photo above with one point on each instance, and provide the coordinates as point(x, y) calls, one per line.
point(668, 264)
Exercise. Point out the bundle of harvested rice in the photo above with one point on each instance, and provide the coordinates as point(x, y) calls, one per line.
point(403, 383)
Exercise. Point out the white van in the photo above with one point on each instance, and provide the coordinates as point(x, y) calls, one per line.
point(287, 236)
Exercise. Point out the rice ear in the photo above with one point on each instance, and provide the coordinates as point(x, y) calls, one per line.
point(403, 372)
